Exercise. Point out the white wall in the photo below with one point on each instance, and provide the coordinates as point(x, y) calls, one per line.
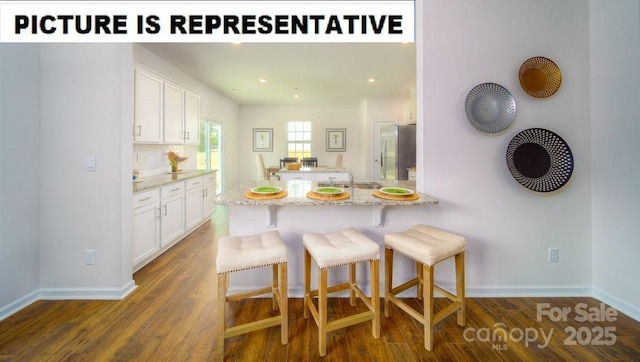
point(213, 106)
point(508, 228)
point(84, 112)
point(323, 117)
point(615, 116)
point(19, 175)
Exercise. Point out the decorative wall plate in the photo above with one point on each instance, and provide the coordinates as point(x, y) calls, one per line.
point(540, 160)
point(490, 107)
point(540, 77)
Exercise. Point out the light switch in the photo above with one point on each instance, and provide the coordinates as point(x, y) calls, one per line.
point(91, 164)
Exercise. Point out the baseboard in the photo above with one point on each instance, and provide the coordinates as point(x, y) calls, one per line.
point(616, 303)
point(87, 293)
point(14, 307)
point(67, 294)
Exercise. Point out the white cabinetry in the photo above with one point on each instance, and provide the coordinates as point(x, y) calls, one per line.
point(165, 112)
point(209, 195)
point(191, 118)
point(146, 225)
point(148, 105)
point(173, 113)
point(172, 213)
point(193, 202)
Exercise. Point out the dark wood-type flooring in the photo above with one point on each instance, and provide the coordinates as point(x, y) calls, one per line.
point(171, 316)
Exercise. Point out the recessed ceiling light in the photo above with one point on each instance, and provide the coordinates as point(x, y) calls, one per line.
point(296, 96)
point(371, 80)
point(262, 80)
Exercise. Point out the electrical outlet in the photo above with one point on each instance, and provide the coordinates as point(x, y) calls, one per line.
point(554, 255)
point(139, 157)
point(90, 257)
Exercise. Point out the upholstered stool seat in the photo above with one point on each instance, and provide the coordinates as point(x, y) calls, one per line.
point(237, 253)
point(427, 246)
point(345, 247)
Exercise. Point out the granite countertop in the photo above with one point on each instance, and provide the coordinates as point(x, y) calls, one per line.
point(151, 182)
point(297, 190)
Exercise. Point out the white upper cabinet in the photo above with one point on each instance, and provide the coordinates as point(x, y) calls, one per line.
point(173, 113)
point(165, 112)
point(191, 118)
point(148, 105)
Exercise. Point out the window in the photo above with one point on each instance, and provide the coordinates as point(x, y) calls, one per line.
point(299, 139)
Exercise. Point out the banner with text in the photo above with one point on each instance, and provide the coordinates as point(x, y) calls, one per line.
point(206, 21)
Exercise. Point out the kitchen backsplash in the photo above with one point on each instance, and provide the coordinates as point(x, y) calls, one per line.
point(152, 160)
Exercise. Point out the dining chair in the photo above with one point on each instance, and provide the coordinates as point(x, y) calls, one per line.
point(284, 161)
point(263, 174)
point(339, 160)
point(310, 162)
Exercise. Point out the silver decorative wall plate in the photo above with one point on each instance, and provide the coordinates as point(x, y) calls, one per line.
point(490, 107)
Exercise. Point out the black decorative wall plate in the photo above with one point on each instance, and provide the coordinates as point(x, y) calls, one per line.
point(540, 160)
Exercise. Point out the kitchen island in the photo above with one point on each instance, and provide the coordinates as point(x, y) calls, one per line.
point(296, 214)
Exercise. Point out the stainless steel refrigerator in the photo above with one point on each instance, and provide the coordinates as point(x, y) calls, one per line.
point(397, 151)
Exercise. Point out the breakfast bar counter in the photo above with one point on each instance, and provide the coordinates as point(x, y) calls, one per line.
point(296, 211)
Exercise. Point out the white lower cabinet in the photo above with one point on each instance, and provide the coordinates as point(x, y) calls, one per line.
point(171, 213)
point(209, 195)
point(163, 216)
point(193, 202)
point(146, 225)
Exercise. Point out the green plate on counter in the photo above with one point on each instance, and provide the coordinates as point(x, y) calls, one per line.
point(328, 190)
point(265, 190)
point(399, 191)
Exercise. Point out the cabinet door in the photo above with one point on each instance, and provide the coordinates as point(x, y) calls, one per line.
point(171, 219)
point(193, 205)
point(208, 204)
point(191, 118)
point(146, 232)
point(148, 105)
point(173, 113)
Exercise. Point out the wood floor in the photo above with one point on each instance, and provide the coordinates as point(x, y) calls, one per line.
point(172, 316)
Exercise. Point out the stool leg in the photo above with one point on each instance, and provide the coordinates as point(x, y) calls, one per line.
point(427, 273)
point(322, 313)
point(460, 287)
point(274, 286)
point(388, 279)
point(420, 279)
point(307, 282)
point(352, 282)
point(284, 303)
point(375, 298)
point(222, 301)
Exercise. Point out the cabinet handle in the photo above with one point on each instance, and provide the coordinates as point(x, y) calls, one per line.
point(206, 192)
point(176, 189)
point(158, 213)
point(144, 199)
point(186, 135)
point(165, 210)
point(196, 183)
point(139, 130)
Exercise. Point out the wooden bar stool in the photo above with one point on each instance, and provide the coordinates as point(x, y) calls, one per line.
point(427, 246)
point(346, 247)
point(237, 253)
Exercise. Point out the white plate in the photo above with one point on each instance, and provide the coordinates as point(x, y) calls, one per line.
point(266, 190)
point(397, 191)
point(328, 190)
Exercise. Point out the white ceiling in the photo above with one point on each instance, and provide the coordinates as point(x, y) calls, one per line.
point(320, 73)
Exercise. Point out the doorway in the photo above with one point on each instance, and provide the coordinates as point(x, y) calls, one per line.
point(377, 150)
point(210, 150)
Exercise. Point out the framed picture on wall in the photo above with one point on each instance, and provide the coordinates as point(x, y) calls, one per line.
point(336, 139)
point(263, 140)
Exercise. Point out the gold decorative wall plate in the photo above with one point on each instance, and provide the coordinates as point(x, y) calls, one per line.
point(540, 77)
